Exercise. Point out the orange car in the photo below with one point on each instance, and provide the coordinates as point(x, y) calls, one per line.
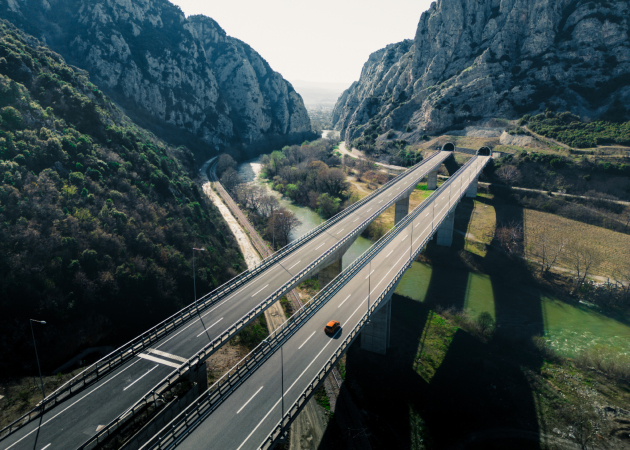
point(332, 327)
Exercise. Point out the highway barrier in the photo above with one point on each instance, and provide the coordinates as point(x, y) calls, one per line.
point(217, 393)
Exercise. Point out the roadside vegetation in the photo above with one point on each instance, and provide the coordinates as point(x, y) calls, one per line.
point(97, 216)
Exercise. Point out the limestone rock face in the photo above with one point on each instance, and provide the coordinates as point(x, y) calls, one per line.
point(474, 59)
point(158, 64)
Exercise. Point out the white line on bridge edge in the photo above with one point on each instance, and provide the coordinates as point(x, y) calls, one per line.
point(141, 378)
point(344, 301)
point(306, 340)
point(204, 331)
point(251, 398)
point(260, 290)
point(295, 264)
point(388, 272)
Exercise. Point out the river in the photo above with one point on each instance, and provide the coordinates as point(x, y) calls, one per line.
point(568, 328)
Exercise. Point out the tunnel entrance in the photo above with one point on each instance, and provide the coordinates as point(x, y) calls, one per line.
point(484, 151)
point(448, 147)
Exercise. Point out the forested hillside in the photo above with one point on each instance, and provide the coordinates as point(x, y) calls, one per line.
point(97, 216)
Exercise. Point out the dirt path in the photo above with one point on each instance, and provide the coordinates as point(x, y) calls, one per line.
point(358, 154)
point(274, 315)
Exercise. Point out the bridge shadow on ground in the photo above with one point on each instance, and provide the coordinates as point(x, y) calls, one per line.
point(440, 386)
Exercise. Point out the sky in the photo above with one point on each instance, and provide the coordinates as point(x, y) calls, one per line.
point(323, 41)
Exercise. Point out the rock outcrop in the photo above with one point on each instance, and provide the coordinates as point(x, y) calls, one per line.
point(474, 59)
point(163, 67)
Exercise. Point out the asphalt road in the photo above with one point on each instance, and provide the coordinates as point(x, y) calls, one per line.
point(74, 421)
point(251, 412)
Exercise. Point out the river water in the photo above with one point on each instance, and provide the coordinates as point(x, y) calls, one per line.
point(568, 328)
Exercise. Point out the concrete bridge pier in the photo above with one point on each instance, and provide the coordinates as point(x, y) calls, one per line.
point(432, 181)
point(472, 189)
point(328, 273)
point(375, 334)
point(445, 232)
point(402, 209)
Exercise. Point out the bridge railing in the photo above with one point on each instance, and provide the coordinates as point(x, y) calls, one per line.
point(218, 392)
point(110, 362)
point(454, 197)
point(211, 347)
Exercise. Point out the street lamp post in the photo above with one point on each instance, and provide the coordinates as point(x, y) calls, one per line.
point(41, 380)
point(273, 227)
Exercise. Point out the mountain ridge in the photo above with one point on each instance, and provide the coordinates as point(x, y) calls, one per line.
point(473, 59)
point(161, 67)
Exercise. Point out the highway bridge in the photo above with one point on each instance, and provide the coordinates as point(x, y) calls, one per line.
point(253, 406)
point(93, 405)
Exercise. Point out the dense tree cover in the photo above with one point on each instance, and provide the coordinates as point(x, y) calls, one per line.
point(97, 217)
point(569, 129)
point(309, 174)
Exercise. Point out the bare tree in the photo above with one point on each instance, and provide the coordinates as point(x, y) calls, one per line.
point(284, 222)
point(510, 237)
point(549, 249)
point(225, 162)
point(230, 179)
point(582, 259)
point(509, 175)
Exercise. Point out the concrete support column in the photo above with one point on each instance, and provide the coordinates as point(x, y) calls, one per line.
point(445, 232)
point(402, 209)
point(328, 273)
point(432, 180)
point(375, 334)
point(472, 189)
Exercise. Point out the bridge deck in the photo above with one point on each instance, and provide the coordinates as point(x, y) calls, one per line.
point(72, 422)
point(248, 415)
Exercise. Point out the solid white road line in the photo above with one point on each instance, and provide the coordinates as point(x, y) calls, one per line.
point(295, 264)
point(64, 410)
point(141, 377)
point(247, 402)
point(204, 331)
point(258, 292)
point(344, 301)
point(259, 424)
point(369, 274)
point(44, 448)
point(300, 347)
point(159, 360)
point(167, 355)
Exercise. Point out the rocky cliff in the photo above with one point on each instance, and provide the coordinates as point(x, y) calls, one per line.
point(474, 59)
point(158, 64)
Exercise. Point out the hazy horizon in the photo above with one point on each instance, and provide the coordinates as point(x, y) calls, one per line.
point(324, 43)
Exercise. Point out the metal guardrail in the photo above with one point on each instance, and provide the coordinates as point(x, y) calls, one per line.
point(301, 401)
point(210, 348)
point(115, 359)
point(183, 424)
